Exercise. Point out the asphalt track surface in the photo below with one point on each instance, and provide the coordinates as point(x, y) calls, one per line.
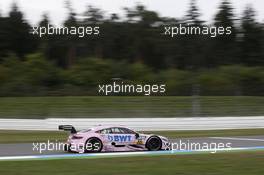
point(26, 149)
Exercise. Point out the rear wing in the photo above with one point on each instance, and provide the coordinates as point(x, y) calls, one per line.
point(68, 128)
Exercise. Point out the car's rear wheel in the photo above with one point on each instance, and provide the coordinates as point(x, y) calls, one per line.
point(67, 147)
point(93, 145)
point(154, 143)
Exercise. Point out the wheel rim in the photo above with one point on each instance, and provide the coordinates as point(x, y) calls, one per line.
point(96, 145)
point(154, 144)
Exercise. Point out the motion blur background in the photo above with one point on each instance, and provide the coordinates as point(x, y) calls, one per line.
point(58, 76)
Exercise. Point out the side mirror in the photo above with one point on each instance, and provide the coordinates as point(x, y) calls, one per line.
point(137, 135)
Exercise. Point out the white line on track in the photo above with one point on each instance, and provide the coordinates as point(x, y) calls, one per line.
point(116, 154)
point(238, 138)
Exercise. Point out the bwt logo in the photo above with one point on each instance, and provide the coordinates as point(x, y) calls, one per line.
point(119, 138)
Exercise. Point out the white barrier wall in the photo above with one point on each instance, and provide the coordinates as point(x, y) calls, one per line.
point(204, 123)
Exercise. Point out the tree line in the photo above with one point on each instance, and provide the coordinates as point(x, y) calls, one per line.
point(136, 44)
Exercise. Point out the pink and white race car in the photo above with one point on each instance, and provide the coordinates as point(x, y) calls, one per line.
point(111, 139)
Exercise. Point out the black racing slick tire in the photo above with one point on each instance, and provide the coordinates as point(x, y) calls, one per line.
point(93, 145)
point(154, 143)
point(67, 148)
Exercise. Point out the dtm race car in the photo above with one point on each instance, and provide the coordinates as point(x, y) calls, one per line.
point(111, 139)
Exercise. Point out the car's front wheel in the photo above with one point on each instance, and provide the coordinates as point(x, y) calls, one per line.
point(154, 143)
point(93, 145)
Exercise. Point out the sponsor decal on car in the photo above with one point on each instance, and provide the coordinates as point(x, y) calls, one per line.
point(140, 140)
point(119, 138)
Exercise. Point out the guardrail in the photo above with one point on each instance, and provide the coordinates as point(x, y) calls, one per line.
point(203, 123)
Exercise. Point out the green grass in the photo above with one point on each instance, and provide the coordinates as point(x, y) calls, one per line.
point(43, 136)
point(247, 163)
point(43, 107)
point(211, 133)
point(31, 136)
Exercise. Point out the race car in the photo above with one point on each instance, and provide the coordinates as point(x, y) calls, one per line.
point(111, 139)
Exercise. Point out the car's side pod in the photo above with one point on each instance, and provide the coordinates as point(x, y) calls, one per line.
point(68, 128)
